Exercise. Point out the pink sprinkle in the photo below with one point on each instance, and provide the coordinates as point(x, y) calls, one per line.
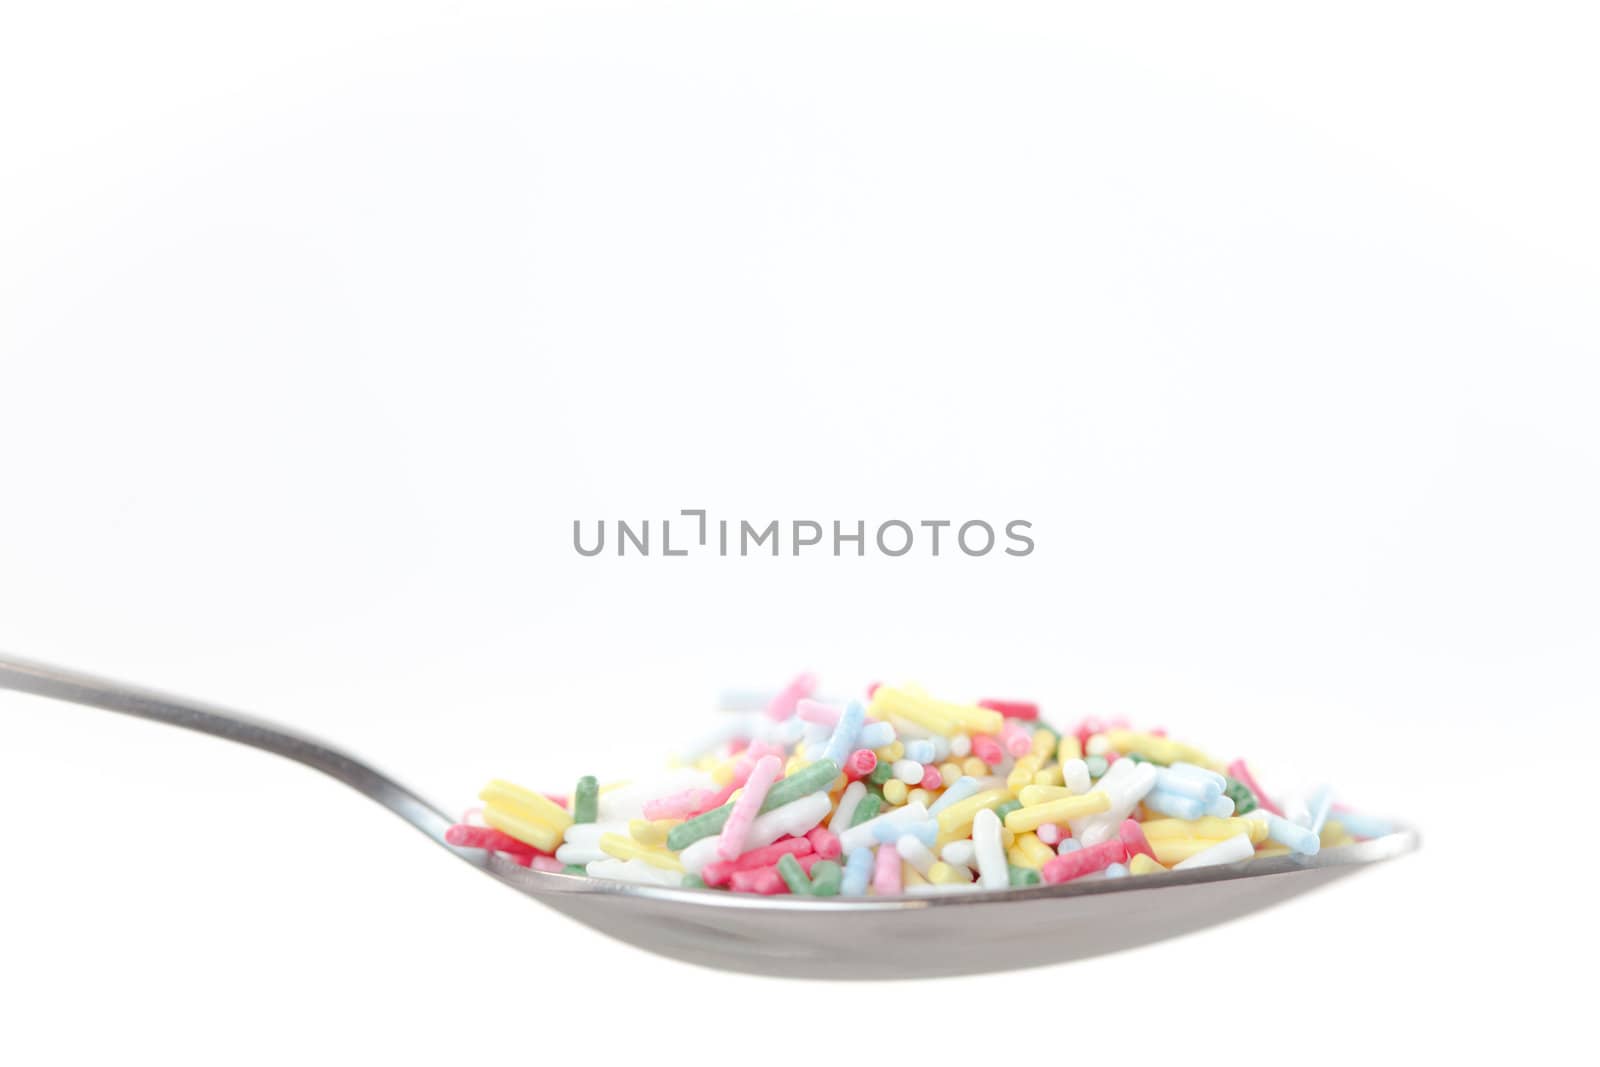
point(886, 872)
point(1087, 729)
point(1012, 709)
point(872, 689)
point(521, 859)
point(548, 864)
point(697, 801)
point(1084, 861)
point(1110, 757)
point(1158, 731)
point(753, 754)
point(482, 837)
point(987, 749)
point(1015, 738)
point(1049, 833)
point(558, 799)
point(1133, 840)
point(681, 805)
point(782, 706)
point(718, 872)
point(825, 842)
point(767, 880)
point(745, 809)
point(1239, 771)
point(817, 712)
point(860, 763)
point(738, 745)
point(713, 800)
point(931, 778)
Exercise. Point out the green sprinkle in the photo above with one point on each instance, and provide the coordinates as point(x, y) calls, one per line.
point(1138, 758)
point(1020, 876)
point(573, 868)
point(693, 881)
point(873, 788)
point(802, 783)
point(1096, 765)
point(586, 799)
point(1007, 808)
point(1243, 799)
point(794, 875)
point(825, 878)
point(867, 809)
point(881, 773)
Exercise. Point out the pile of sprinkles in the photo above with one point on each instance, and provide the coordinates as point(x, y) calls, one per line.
point(903, 793)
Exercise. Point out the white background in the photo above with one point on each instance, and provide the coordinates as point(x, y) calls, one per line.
point(321, 323)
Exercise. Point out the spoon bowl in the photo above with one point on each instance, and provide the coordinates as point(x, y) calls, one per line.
point(911, 936)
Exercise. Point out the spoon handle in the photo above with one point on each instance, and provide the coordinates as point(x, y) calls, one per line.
point(60, 683)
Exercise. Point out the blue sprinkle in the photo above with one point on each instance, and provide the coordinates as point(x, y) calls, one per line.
point(875, 735)
point(857, 872)
point(1171, 804)
point(845, 733)
point(1363, 825)
point(959, 790)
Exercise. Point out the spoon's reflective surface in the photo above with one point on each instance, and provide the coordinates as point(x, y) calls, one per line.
point(870, 937)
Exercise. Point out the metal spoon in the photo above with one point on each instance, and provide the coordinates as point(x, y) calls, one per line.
point(858, 938)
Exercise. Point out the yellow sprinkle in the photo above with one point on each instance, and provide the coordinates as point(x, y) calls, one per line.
point(1333, 834)
point(839, 784)
point(1058, 811)
point(625, 848)
point(651, 833)
point(942, 873)
point(1172, 850)
point(722, 773)
point(1159, 749)
point(1051, 775)
point(526, 805)
point(609, 786)
point(1022, 773)
point(1068, 748)
point(538, 835)
point(1044, 745)
point(1007, 838)
point(892, 751)
point(910, 876)
point(1042, 794)
point(957, 818)
point(1028, 851)
point(919, 796)
point(903, 704)
point(974, 767)
point(894, 791)
point(935, 715)
point(706, 763)
point(976, 720)
point(1142, 864)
